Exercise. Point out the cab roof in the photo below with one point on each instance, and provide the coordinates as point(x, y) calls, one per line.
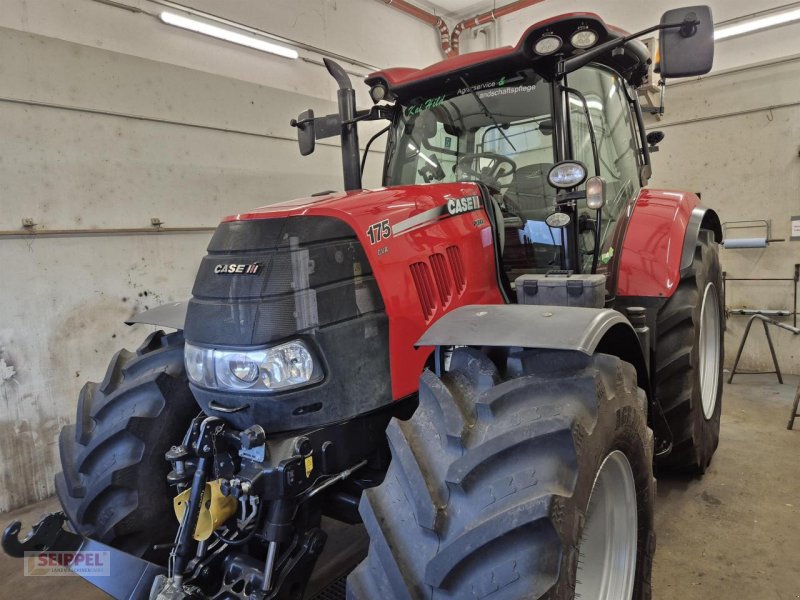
point(631, 61)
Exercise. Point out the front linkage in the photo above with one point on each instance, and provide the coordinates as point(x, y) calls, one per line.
point(249, 508)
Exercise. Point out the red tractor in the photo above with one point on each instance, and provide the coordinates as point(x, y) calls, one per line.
point(479, 362)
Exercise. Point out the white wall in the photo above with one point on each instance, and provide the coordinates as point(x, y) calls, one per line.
point(110, 118)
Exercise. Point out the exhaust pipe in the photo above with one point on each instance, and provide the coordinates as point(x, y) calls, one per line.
point(346, 96)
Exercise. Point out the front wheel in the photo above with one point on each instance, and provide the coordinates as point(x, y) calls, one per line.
point(113, 484)
point(529, 481)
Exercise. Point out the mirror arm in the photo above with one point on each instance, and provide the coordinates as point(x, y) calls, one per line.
point(576, 62)
point(372, 114)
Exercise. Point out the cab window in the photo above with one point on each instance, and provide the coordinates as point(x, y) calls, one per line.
point(602, 104)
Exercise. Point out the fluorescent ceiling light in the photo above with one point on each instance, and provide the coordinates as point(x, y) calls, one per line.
point(221, 33)
point(755, 24)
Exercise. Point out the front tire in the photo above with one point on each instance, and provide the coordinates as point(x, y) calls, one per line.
point(113, 484)
point(689, 358)
point(493, 484)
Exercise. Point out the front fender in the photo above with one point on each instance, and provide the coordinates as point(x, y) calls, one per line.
point(586, 330)
point(171, 315)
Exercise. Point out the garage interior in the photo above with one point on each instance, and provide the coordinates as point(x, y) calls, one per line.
point(126, 140)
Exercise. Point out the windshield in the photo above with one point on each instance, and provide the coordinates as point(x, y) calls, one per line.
point(500, 133)
point(484, 131)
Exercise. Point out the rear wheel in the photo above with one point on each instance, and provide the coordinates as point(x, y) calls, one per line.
point(113, 484)
point(534, 482)
point(689, 355)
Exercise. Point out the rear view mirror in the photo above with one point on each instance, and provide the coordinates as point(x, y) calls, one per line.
point(689, 49)
point(306, 138)
point(311, 129)
point(654, 139)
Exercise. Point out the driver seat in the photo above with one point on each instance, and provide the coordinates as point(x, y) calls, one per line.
point(531, 192)
point(499, 218)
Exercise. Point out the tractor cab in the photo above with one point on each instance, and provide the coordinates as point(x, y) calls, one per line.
point(500, 133)
point(551, 129)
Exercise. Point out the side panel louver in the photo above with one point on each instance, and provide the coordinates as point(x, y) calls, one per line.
point(421, 274)
point(444, 282)
point(457, 265)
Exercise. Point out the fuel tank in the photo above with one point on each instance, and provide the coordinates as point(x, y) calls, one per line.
point(358, 276)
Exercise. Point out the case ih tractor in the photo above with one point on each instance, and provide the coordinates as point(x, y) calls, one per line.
point(479, 361)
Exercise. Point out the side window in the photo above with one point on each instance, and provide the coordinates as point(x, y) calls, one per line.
point(609, 115)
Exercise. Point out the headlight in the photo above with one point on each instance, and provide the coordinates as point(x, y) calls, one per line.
point(270, 369)
point(378, 93)
point(567, 174)
point(583, 39)
point(547, 45)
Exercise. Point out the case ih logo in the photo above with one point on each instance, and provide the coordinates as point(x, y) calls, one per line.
point(456, 206)
point(238, 269)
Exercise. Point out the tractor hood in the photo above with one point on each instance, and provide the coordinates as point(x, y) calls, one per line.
point(323, 270)
point(363, 207)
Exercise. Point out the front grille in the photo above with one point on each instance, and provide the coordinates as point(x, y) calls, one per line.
point(334, 591)
point(311, 272)
point(313, 281)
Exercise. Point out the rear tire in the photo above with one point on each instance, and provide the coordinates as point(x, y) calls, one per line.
point(689, 359)
point(490, 482)
point(113, 484)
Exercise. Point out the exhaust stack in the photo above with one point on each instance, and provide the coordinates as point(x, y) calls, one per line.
point(346, 96)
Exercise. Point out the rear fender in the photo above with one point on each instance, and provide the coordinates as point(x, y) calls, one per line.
point(660, 240)
point(587, 330)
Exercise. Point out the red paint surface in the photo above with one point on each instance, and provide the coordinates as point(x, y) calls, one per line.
point(651, 252)
point(403, 75)
point(650, 256)
point(400, 76)
point(361, 209)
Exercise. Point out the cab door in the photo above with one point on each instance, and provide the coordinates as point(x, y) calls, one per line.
point(603, 102)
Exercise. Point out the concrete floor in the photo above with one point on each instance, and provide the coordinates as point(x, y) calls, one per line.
point(732, 535)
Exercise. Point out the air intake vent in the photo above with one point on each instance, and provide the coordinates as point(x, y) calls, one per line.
point(441, 273)
point(424, 284)
point(457, 265)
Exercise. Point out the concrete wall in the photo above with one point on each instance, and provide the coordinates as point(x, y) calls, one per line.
point(110, 118)
point(735, 138)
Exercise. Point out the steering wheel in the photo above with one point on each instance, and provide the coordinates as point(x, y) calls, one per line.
point(491, 173)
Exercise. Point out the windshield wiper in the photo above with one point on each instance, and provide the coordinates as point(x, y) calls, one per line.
point(487, 112)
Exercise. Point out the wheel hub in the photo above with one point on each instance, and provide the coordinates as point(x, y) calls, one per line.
point(708, 348)
point(607, 552)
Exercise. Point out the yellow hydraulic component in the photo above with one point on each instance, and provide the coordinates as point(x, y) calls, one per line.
point(215, 509)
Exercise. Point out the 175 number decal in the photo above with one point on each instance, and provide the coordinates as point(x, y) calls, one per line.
point(379, 231)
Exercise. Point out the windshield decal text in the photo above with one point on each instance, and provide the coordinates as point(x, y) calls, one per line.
point(506, 90)
point(415, 109)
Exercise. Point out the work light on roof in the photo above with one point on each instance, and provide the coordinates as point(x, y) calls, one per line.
point(547, 45)
point(586, 38)
point(378, 92)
